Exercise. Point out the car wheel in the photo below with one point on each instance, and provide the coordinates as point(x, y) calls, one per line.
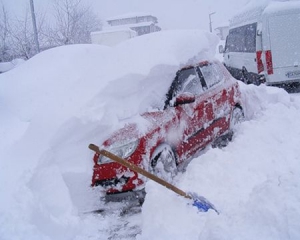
point(237, 116)
point(163, 163)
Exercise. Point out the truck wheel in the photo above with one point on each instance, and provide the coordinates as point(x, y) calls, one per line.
point(163, 163)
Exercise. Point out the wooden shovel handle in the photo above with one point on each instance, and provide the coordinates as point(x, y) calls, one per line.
point(137, 169)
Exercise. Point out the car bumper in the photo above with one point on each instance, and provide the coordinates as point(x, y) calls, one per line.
point(126, 196)
point(115, 178)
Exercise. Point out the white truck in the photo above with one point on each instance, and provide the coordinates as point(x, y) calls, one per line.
point(112, 37)
point(263, 44)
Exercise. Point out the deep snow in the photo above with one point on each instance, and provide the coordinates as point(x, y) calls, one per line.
point(61, 100)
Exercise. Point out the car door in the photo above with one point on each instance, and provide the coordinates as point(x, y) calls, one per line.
point(218, 94)
point(193, 117)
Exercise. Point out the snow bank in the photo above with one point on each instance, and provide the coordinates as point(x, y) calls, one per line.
point(55, 104)
point(58, 102)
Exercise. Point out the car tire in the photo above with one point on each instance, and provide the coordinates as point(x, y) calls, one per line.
point(237, 116)
point(163, 163)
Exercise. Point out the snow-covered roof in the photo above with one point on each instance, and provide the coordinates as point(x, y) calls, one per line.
point(254, 10)
point(129, 15)
point(132, 25)
point(247, 15)
point(275, 7)
point(223, 24)
point(220, 27)
point(114, 29)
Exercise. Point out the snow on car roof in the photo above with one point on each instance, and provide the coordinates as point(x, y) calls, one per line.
point(132, 65)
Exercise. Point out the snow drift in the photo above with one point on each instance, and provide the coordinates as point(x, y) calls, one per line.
point(58, 102)
point(61, 100)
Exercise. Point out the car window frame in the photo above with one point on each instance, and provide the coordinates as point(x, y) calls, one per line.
point(207, 85)
point(174, 91)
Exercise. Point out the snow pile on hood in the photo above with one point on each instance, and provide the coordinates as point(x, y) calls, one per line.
point(55, 104)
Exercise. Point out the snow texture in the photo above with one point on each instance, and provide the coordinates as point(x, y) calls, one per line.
point(58, 102)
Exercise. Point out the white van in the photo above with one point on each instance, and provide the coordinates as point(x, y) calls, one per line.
point(263, 44)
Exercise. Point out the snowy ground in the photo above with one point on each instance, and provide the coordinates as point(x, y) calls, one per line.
point(54, 105)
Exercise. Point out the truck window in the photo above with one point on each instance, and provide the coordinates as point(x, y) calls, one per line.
point(250, 37)
point(242, 39)
point(236, 40)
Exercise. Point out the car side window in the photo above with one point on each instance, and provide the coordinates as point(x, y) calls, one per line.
point(212, 74)
point(188, 81)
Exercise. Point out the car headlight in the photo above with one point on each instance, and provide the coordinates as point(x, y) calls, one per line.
point(122, 149)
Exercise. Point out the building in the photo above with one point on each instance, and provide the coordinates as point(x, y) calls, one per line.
point(124, 27)
point(141, 23)
point(222, 32)
point(112, 37)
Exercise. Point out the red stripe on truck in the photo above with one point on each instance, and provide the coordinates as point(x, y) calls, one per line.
point(260, 65)
point(269, 62)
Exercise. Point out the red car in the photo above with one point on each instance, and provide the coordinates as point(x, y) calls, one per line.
point(201, 105)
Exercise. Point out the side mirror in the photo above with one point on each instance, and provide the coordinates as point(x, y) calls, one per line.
point(221, 49)
point(184, 98)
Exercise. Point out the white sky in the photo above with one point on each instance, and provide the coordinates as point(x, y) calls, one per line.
point(171, 14)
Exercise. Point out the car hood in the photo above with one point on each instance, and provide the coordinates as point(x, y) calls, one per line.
point(140, 126)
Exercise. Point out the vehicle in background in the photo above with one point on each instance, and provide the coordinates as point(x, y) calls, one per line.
point(263, 45)
point(201, 105)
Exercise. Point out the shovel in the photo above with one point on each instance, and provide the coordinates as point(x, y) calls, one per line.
point(200, 202)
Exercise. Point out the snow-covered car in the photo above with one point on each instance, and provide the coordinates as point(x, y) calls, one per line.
point(202, 105)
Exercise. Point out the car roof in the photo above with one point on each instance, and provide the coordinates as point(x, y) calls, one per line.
point(200, 64)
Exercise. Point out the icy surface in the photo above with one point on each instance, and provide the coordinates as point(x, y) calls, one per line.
point(54, 105)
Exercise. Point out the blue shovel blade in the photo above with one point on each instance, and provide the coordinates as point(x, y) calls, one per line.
point(202, 203)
